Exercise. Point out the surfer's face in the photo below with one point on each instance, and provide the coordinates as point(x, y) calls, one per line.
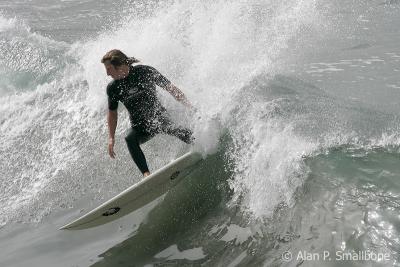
point(116, 72)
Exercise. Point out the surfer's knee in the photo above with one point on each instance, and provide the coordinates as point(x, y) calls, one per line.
point(191, 139)
point(187, 136)
point(132, 137)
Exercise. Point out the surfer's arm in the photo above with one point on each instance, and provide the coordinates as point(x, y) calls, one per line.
point(164, 83)
point(112, 119)
point(178, 94)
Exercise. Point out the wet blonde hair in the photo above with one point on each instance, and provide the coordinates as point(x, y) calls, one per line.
point(117, 58)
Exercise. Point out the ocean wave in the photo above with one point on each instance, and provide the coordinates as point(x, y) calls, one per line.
point(28, 58)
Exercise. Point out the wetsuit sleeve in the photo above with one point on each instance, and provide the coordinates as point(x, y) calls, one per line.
point(158, 78)
point(112, 101)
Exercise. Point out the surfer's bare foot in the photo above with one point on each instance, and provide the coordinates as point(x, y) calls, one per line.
point(146, 174)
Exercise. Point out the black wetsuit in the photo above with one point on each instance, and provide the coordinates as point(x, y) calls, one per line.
point(148, 117)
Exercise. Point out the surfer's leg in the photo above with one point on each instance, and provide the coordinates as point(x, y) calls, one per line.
point(186, 135)
point(133, 140)
point(168, 127)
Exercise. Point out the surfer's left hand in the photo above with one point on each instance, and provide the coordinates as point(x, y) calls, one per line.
point(111, 152)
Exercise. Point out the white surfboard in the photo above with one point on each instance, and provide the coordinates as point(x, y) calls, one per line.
point(138, 194)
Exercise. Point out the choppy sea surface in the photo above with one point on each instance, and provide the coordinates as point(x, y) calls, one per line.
point(297, 119)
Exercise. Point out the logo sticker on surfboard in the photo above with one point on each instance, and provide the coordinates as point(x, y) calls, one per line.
point(111, 211)
point(174, 175)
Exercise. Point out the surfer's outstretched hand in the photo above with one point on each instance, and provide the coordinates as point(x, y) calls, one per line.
point(111, 152)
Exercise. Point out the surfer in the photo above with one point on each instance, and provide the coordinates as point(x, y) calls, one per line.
point(135, 87)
